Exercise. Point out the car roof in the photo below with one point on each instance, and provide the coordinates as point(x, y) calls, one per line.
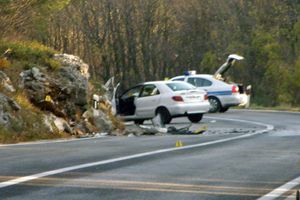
point(160, 82)
point(195, 75)
point(202, 75)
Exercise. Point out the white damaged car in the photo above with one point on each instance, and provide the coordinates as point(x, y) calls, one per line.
point(168, 99)
point(221, 95)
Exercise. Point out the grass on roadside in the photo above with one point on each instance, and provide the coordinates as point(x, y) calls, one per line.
point(282, 107)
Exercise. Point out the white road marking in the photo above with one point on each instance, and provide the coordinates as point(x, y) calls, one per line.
point(281, 190)
point(268, 126)
point(103, 162)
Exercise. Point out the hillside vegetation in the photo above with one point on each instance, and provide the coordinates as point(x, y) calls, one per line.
point(26, 123)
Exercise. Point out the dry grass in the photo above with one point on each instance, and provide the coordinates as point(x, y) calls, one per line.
point(27, 124)
point(4, 64)
point(24, 102)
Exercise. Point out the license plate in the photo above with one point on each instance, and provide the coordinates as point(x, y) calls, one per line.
point(194, 98)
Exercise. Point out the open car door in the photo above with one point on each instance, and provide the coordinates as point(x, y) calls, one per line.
point(112, 93)
point(114, 100)
point(126, 101)
point(224, 68)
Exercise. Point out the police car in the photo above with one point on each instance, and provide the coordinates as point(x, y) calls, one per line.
point(221, 95)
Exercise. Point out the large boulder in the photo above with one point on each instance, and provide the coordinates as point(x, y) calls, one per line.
point(75, 63)
point(73, 76)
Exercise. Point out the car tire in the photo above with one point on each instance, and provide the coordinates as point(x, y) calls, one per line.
point(224, 109)
point(215, 104)
point(164, 115)
point(139, 121)
point(195, 118)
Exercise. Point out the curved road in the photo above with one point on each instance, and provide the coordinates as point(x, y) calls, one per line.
point(234, 159)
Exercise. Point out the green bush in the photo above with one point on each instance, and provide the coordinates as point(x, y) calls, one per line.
point(31, 52)
point(52, 64)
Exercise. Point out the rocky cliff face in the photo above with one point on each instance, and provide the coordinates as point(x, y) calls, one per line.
point(61, 96)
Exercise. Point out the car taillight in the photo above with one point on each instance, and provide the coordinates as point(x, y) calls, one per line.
point(177, 98)
point(206, 97)
point(235, 89)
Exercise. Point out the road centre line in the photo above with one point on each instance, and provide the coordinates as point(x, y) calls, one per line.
point(139, 155)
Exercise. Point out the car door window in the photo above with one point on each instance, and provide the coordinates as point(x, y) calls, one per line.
point(180, 86)
point(206, 83)
point(178, 79)
point(199, 82)
point(134, 92)
point(149, 90)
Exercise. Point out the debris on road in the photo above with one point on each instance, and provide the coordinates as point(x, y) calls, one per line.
point(186, 130)
point(159, 127)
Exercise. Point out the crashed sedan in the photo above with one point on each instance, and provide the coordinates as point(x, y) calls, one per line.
point(221, 94)
point(168, 99)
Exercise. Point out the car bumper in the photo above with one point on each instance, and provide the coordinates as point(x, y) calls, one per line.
point(234, 100)
point(188, 108)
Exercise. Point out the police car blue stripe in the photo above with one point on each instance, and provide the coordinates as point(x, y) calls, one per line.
point(220, 93)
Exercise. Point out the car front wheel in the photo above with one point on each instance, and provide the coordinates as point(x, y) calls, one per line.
point(164, 115)
point(195, 118)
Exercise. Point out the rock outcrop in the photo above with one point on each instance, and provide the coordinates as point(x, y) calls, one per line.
point(7, 108)
point(52, 99)
point(64, 93)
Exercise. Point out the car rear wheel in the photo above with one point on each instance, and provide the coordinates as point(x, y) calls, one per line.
point(164, 115)
point(215, 105)
point(195, 118)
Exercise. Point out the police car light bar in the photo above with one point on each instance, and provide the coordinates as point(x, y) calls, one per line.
point(192, 72)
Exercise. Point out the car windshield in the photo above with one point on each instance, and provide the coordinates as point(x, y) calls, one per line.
point(180, 86)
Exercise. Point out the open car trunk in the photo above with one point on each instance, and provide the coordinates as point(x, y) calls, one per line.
point(226, 66)
point(219, 74)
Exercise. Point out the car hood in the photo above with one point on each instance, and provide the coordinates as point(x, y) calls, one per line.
point(229, 62)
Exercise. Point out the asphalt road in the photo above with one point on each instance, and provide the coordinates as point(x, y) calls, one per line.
point(232, 160)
